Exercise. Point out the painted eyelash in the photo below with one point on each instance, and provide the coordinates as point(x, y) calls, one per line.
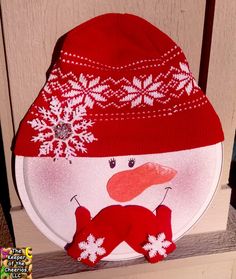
point(131, 162)
point(112, 163)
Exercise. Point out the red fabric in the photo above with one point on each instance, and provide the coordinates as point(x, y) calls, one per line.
point(114, 224)
point(119, 39)
point(136, 88)
point(106, 225)
point(144, 224)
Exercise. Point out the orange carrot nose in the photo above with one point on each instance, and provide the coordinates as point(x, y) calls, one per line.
point(126, 185)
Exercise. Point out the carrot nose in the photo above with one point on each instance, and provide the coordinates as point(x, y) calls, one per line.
point(126, 185)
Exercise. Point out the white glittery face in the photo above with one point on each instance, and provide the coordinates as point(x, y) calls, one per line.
point(50, 185)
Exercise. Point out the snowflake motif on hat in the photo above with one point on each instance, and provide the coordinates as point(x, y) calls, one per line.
point(142, 91)
point(62, 130)
point(89, 90)
point(185, 79)
point(92, 248)
point(57, 82)
point(157, 245)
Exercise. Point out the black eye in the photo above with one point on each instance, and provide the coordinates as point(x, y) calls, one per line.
point(131, 162)
point(112, 163)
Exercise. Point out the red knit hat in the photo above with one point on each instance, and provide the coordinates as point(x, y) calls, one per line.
point(120, 86)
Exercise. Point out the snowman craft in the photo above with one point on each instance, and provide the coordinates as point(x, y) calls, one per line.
point(122, 134)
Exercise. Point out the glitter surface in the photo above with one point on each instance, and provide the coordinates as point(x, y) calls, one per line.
point(62, 130)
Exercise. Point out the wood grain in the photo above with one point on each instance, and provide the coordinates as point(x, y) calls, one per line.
point(216, 266)
point(32, 28)
point(58, 263)
point(6, 122)
point(221, 85)
point(234, 270)
point(5, 237)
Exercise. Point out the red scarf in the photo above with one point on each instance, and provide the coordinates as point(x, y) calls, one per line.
point(147, 233)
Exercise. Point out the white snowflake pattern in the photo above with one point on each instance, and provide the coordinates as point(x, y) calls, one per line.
point(92, 248)
point(56, 81)
point(157, 245)
point(185, 79)
point(142, 91)
point(62, 130)
point(88, 90)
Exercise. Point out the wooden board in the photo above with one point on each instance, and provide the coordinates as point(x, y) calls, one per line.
point(221, 85)
point(5, 237)
point(222, 243)
point(7, 124)
point(32, 28)
point(216, 266)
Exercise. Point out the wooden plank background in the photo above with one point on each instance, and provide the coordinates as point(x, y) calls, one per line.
point(221, 85)
point(32, 27)
point(6, 119)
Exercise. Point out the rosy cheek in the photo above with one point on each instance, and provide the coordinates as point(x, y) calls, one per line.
point(50, 178)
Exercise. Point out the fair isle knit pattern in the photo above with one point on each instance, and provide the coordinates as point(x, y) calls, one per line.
point(130, 93)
